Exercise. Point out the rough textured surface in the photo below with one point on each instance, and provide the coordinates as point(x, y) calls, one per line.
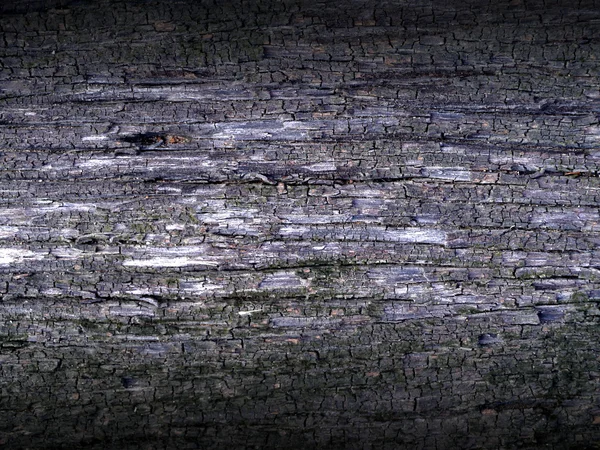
point(300, 224)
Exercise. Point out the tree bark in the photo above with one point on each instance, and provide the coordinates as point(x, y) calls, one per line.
point(299, 224)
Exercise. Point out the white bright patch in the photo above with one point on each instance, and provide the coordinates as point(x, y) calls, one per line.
point(416, 235)
point(99, 137)
point(16, 255)
point(52, 292)
point(247, 313)
point(96, 162)
point(321, 167)
point(169, 262)
point(175, 226)
point(200, 287)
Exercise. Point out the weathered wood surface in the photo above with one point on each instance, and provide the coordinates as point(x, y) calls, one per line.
point(300, 224)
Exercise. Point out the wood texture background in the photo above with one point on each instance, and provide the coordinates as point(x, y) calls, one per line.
point(300, 224)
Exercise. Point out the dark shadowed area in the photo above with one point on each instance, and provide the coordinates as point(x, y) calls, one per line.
point(293, 224)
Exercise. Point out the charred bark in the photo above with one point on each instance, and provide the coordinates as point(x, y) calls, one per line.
point(299, 224)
